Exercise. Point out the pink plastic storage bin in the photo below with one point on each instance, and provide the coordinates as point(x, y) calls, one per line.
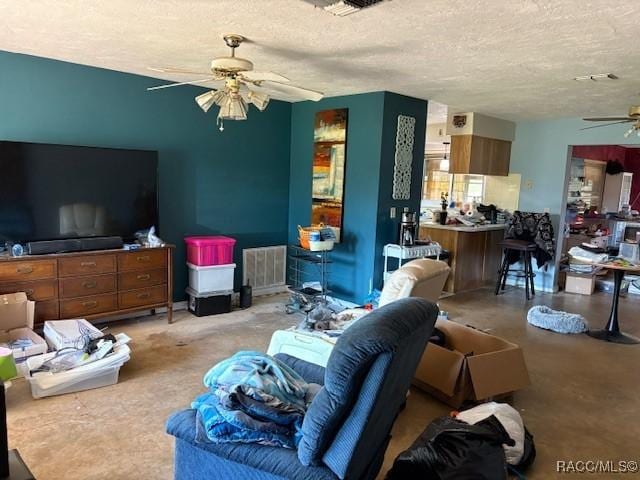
point(210, 250)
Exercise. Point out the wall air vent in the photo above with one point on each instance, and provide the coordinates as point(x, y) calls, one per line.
point(342, 8)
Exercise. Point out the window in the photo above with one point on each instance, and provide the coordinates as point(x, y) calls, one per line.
point(461, 188)
point(467, 188)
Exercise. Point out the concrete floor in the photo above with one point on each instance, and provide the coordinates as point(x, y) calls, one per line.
point(582, 403)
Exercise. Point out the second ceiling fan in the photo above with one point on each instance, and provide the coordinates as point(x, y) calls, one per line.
point(633, 117)
point(242, 85)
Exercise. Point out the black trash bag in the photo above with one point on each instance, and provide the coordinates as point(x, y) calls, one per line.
point(450, 449)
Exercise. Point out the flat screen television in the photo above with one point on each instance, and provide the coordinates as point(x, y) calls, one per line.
point(50, 192)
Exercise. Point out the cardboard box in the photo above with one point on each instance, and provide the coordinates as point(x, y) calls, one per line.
point(70, 333)
point(16, 321)
point(475, 366)
point(580, 283)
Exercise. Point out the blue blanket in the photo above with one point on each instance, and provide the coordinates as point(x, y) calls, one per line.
point(252, 398)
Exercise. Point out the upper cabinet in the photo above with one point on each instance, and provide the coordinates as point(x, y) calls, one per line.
point(479, 155)
point(480, 144)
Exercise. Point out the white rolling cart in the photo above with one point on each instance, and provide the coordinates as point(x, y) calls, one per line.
point(392, 250)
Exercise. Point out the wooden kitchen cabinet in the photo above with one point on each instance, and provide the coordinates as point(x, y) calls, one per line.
point(472, 154)
point(474, 255)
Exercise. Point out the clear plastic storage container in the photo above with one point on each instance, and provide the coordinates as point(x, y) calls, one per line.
point(212, 279)
point(93, 375)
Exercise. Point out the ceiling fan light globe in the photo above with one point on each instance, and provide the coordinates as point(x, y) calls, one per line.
point(205, 101)
point(210, 98)
point(233, 108)
point(260, 100)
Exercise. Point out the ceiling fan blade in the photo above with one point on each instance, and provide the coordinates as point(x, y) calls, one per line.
point(607, 119)
point(264, 76)
point(176, 70)
point(190, 82)
point(291, 90)
point(607, 124)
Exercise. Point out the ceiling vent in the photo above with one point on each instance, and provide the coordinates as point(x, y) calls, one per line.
point(342, 8)
point(596, 76)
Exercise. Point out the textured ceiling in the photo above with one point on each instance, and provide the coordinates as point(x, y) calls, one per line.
point(514, 59)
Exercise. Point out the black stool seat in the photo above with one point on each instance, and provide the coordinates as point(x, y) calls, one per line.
point(524, 249)
point(518, 245)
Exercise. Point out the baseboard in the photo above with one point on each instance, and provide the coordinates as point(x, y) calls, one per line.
point(514, 282)
point(182, 305)
point(260, 292)
point(177, 306)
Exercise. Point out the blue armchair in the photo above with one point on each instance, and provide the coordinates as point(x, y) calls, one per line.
point(347, 427)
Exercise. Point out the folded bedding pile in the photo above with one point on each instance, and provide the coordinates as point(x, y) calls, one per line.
point(252, 398)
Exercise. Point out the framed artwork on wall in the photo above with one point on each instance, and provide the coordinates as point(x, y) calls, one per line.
point(329, 158)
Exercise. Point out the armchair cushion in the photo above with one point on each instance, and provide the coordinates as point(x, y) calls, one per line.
point(381, 331)
point(422, 278)
point(279, 462)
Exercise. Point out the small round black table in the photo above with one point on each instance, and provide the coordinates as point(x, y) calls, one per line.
point(611, 332)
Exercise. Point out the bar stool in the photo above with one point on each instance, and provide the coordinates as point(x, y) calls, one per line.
point(524, 249)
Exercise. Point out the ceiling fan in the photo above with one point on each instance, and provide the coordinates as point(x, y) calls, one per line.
point(242, 85)
point(634, 116)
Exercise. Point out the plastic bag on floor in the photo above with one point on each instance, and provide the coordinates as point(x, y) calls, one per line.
point(510, 420)
point(450, 449)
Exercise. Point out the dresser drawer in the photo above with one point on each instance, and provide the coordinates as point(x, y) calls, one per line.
point(143, 259)
point(82, 286)
point(80, 307)
point(17, 271)
point(90, 264)
point(141, 279)
point(47, 310)
point(40, 290)
point(144, 296)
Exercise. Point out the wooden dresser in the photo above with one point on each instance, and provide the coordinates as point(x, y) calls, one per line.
point(93, 284)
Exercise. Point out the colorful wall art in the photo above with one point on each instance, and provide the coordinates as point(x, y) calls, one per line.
point(329, 152)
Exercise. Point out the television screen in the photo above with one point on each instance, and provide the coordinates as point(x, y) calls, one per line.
point(50, 192)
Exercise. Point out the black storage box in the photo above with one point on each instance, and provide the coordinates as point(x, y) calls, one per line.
point(213, 305)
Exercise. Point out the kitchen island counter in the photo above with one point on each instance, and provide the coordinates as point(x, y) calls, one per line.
point(474, 253)
point(464, 228)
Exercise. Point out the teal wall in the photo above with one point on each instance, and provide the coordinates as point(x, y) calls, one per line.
point(234, 182)
point(540, 154)
point(388, 228)
point(252, 181)
point(352, 270)
point(371, 134)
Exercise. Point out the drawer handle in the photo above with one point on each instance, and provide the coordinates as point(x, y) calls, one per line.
point(143, 258)
point(89, 284)
point(29, 292)
point(91, 304)
point(88, 264)
point(146, 276)
point(24, 270)
point(143, 295)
